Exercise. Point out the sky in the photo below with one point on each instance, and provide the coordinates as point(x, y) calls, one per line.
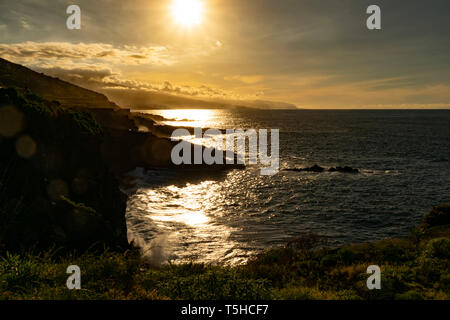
point(313, 54)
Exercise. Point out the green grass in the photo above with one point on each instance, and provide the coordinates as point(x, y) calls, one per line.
point(416, 267)
point(412, 268)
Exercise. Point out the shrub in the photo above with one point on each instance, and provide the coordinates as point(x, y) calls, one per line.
point(299, 293)
point(409, 295)
point(329, 260)
point(347, 255)
point(17, 273)
point(394, 251)
point(438, 248)
point(444, 282)
point(86, 122)
point(437, 216)
point(215, 285)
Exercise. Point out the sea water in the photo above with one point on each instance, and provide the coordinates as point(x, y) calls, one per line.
point(404, 162)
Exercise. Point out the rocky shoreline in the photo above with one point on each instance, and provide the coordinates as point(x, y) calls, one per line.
point(63, 188)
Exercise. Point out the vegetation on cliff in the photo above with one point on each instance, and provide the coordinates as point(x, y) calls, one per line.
point(59, 172)
point(53, 177)
point(415, 268)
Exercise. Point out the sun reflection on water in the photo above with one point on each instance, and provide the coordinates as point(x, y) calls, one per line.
point(188, 222)
point(189, 218)
point(187, 210)
point(200, 118)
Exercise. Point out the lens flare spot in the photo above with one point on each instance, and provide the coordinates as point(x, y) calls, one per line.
point(26, 147)
point(11, 121)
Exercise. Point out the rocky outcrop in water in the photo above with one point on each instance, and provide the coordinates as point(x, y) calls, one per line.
point(343, 170)
point(318, 169)
point(314, 168)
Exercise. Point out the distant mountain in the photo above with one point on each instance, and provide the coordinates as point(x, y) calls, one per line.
point(73, 95)
point(49, 88)
point(140, 99)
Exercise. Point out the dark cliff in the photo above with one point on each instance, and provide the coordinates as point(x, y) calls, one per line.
point(63, 150)
point(55, 187)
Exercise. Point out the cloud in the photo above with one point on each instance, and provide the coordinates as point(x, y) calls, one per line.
point(92, 64)
point(104, 78)
point(248, 79)
point(35, 53)
point(86, 75)
point(308, 52)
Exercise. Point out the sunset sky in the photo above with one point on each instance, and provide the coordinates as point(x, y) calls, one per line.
point(309, 53)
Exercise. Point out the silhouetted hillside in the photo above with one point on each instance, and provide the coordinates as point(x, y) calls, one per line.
point(49, 88)
point(139, 99)
point(56, 185)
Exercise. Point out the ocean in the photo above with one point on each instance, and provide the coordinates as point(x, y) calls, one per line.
point(404, 162)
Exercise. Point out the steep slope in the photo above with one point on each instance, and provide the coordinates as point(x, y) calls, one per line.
point(55, 186)
point(49, 88)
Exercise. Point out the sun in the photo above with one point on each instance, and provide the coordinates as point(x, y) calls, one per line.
point(187, 13)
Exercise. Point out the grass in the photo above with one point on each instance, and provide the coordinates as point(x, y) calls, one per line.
point(414, 268)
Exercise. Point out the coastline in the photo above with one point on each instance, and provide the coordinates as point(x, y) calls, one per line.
point(413, 268)
point(63, 189)
point(63, 206)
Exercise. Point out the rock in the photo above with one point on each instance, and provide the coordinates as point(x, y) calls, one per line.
point(67, 192)
point(314, 168)
point(344, 170)
point(317, 168)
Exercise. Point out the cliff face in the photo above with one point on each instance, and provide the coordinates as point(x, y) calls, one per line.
point(49, 88)
point(62, 149)
point(55, 187)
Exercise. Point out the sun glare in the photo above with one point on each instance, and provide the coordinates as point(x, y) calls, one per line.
point(187, 13)
point(187, 117)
